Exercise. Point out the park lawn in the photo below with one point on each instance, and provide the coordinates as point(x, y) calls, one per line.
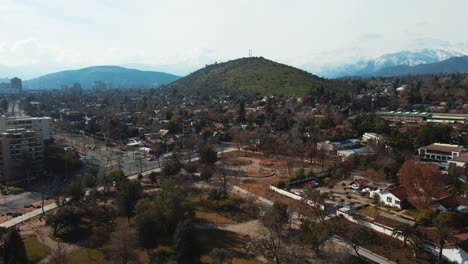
point(203, 216)
point(86, 255)
point(215, 238)
point(35, 250)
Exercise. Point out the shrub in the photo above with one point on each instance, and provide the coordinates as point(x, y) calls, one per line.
point(348, 197)
point(281, 185)
point(190, 167)
point(342, 200)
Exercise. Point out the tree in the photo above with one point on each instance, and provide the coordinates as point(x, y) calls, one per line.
point(74, 192)
point(217, 195)
point(153, 177)
point(416, 243)
point(185, 243)
point(123, 246)
point(270, 242)
point(100, 235)
point(119, 179)
point(444, 235)
point(206, 173)
point(221, 256)
point(355, 236)
point(66, 217)
point(127, 198)
point(13, 248)
point(241, 115)
point(315, 234)
point(59, 254)
point(443, 224)
point(147, 230)
point(207, 155)
point(422, 182)
point(404, 231)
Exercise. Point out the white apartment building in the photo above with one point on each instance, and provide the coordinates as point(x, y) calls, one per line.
point(40, 125)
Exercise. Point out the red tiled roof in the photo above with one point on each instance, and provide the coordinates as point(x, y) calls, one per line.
point(453, 201)
point(399, 192)
point(388, 222)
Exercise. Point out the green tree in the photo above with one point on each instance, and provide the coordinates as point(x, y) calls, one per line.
point(207, 155)
point(119, 179)
point(404, 231)
point(75, 192)
point(127, 198)
point(13, 248)
point(67, 217)
point(148, 230)
point(241, 114)
point(185, 243)
point(206, 173)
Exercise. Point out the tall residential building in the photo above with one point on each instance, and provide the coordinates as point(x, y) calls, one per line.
point(16, 84)
point(21, 155)
point(40, 125)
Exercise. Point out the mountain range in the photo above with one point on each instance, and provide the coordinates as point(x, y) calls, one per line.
point(115, 76)
point(370, 66)
point(451, 65)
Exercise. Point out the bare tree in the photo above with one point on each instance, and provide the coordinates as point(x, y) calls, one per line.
point(59, 255)
point(123, 246)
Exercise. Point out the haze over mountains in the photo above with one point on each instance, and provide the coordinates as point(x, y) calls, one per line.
point(370, 67)
point(113, 75)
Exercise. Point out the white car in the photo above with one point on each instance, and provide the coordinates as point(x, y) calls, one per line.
point(354, 186)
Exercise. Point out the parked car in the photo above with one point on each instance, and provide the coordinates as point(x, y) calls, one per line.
point(298, 193)
point(312, 184)
point(354, 186)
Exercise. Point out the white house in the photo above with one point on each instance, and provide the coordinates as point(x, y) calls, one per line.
point(393, 197)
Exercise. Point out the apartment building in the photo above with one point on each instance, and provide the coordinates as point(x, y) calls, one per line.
point(40, 125)
point(21, 155)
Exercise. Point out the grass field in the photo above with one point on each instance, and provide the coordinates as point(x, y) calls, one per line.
point(35, 250)
point(86, 255)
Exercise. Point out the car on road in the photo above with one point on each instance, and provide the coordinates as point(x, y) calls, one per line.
point(312, 184)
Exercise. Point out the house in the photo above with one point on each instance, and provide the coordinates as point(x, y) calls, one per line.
point(372, 136)
point(440, 152)
point(460, 161)
point(394, 197)
point(339, 145)
point(453, 203)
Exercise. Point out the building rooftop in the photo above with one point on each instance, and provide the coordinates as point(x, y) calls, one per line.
point(444, 147)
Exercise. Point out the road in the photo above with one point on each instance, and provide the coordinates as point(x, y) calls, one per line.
point(10, 203)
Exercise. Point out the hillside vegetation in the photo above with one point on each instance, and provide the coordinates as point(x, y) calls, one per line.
point(251, 75)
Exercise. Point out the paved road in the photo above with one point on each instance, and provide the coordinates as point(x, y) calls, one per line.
point(10, 203)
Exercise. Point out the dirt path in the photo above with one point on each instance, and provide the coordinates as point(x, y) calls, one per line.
point(251, 228)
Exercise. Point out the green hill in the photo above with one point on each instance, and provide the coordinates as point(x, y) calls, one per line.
point(251, 75)
point(114, 75)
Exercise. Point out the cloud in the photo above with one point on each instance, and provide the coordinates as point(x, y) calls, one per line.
point(370, 36)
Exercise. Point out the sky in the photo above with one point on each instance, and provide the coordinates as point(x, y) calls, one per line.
point(180, 36)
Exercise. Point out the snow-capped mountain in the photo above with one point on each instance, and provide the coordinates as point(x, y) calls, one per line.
point(407, 58)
